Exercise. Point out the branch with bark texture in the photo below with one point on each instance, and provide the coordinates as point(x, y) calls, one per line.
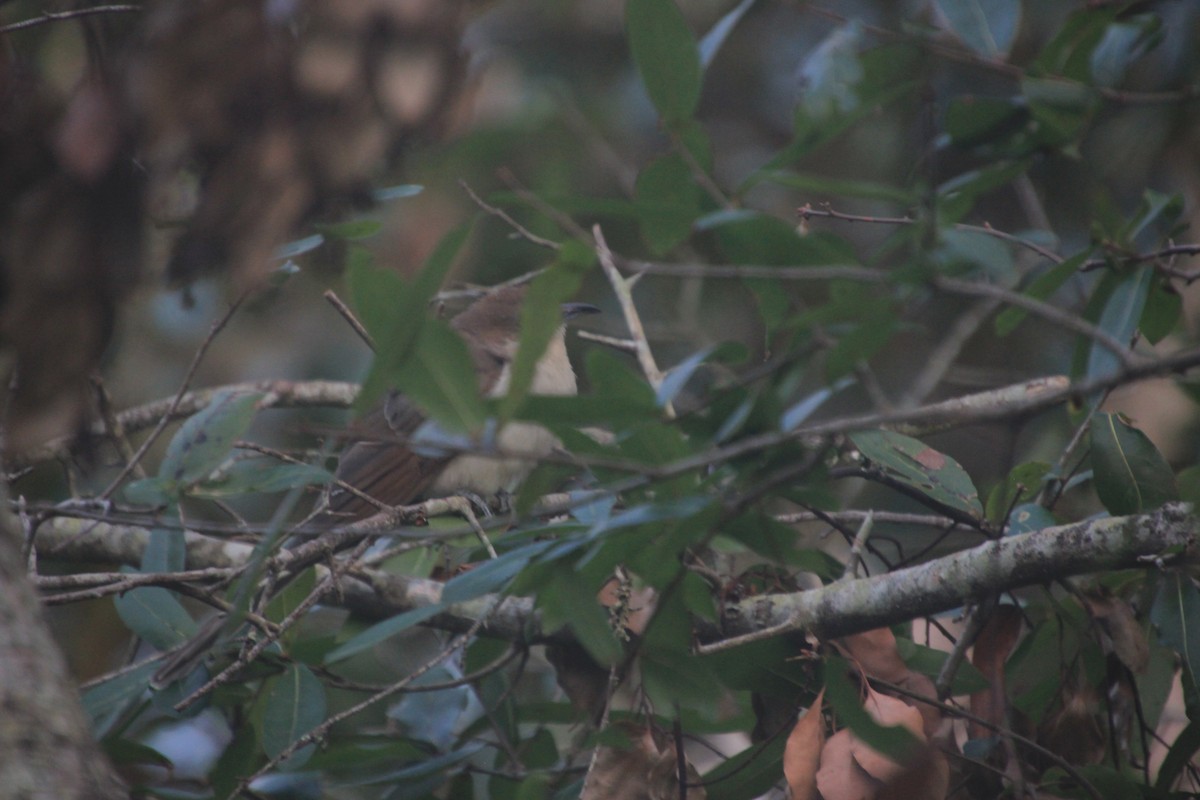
point(846, 607)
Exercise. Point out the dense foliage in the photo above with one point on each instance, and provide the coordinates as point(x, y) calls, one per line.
point(892, 423)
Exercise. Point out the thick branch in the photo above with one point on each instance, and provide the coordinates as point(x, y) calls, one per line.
point(930, 588)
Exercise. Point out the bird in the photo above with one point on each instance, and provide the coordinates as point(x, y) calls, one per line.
point(382, 464)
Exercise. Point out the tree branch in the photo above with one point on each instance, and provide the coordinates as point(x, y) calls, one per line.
point(836, 610)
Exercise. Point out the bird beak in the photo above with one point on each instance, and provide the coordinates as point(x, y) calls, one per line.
point(572, 310)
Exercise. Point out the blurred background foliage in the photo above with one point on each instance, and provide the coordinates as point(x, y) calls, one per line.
point(1070, 125)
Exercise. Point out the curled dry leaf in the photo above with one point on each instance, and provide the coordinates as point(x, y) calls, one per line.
point(840, 777)
point(1127, 635)
point(927, 779)
point(886, 711)
point(875, 654)
point(802, 754)
point(992, 648)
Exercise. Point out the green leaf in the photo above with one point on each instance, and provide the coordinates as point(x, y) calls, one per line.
point(1027, 518)
point(350, 230)
point(666, 55)
point(838, 187)
point(936, 475)
point(288, 600)
point(541, 316)
point(988, 28)
point(260, 475)
point(395, 312)
point(1069, 53)
point(153, 614)
point(166, 551)
point(1021, 484)
point(206, 438)
point(493, 574)
point(973, 120)
point(894, 741)
point(832, 72)
point(291, 705)
point(380, 631)
point(1176, 615)
point(1131, 476)
point(111, 696)
point(155, 492)
point(1123, 43)
point(440, 378)
point(1119, 319)
point(1162, 311)
point(718, 33)
point(1043, 287)
point(1061, 109)
point(929, 661)
point(750, 773)
point(668, 202)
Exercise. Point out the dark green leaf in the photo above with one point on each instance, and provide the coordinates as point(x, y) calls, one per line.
point(718, 33)
point(398, 192)
point(292, 704)
point(541, 316)
point(838, 187)
point(1069, 53)
point(1045, 285)
point(936, 475)
point(894, 741)
point(165, 551)
point(493, 574)
point(1124, 41)
point(440, 378)
point(1021, 484)
point(668, 202)
point(1062, 109)
point(1027, 518)
point(666, 56)
point(750, 773)
point(350, 230)
point(109, 697)
point(1162, 311)
point(365, 640)
point(971, 120)
point(678, 376)
point(155, 492)
point(929, 661)
point(288, 600)
point(153, 614)
point(395, 311)
point(1131, 476)
point(1176, 615)
point(258, 475)
point(831, 74)
point(1119, 319)
point(206, 438)
point(988, 28)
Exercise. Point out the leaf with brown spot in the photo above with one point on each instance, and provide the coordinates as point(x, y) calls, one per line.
point(930, 459)
point(802, 754)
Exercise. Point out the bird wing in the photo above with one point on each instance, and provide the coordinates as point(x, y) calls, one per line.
point(381, 464)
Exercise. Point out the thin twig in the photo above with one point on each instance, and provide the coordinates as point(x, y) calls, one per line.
point(58, 16)
point(504, 215)
point(623, 289)
point(167, 415)
point(331, 296)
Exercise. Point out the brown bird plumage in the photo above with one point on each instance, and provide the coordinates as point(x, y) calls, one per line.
point(382, 465)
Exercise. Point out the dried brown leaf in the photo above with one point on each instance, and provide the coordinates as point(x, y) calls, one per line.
point(840, 777)
point(875, 654)
point(886, 711)
point(802, 754)
point(927, 779)
point(992, 648)
point(1127, 635)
